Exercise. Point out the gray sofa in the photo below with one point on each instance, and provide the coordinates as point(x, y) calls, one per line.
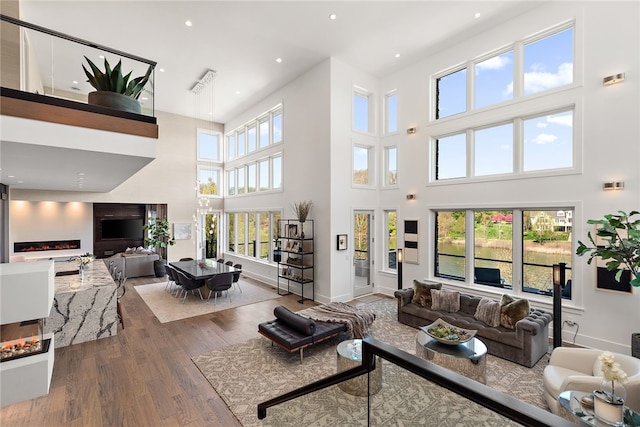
point(134, 265)
point(525, 345)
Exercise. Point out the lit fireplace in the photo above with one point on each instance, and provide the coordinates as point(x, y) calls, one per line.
point(22, 339)
point(50, 245)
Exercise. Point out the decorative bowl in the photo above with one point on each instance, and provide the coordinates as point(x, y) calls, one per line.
point(446, 333)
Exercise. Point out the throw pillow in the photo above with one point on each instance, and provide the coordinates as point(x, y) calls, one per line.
point(130, 250)
point(443, 300)
point(422, 292)
point(488, 311)
point(512, 310)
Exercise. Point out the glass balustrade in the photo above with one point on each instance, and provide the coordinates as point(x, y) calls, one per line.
point(43, 62)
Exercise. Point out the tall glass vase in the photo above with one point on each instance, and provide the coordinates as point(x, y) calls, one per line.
point(81, 271)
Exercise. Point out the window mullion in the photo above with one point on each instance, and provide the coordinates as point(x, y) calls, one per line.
point(471, 153)
point(517, 250)
point(470, 245)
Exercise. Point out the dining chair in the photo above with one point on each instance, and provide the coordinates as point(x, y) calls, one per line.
point(174, 277)
point(236, 276)
point(189, 285)
point(170, 282)
point(220, 260)
point(186, 259)
point(218, 284)
point(229, 263)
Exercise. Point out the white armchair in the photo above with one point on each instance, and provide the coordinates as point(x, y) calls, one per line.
point(579, 369)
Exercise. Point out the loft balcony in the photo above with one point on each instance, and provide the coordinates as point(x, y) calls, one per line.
point(50, 131)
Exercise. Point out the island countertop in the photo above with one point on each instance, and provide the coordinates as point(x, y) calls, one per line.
point(84, 309)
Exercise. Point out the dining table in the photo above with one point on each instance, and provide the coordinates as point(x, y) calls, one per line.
point(202, 269)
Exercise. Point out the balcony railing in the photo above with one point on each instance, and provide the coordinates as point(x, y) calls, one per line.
point(43, 65)
point(446, 391)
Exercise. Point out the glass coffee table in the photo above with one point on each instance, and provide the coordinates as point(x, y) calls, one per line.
point(349, 355)
point(571, 401)
point(468, 359)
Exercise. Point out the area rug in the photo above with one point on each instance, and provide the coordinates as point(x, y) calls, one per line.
point(167, 308)
point(251, 372)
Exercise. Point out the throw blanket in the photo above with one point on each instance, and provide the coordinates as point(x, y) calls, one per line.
point(358, 320)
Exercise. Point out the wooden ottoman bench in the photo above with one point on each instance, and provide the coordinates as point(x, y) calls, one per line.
point(294, 333)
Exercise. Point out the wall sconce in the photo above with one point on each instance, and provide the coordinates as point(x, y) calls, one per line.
point(411, 131)
point(613, 79)
point(613, 185)
point(411, 196)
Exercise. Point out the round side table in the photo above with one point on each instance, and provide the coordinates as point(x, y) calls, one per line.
point(349, 355)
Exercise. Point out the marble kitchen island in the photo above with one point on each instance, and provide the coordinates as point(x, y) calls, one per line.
point(83, 309)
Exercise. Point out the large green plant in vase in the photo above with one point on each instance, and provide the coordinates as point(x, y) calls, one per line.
point(159, 237)
point(620, 249)
point(113, 89)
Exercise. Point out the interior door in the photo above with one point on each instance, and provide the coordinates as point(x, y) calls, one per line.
point(362, 252)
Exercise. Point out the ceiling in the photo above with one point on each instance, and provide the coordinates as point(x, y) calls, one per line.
point(240, 41)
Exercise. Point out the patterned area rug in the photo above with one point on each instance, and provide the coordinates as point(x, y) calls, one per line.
point(167, 308)
point(248, 373)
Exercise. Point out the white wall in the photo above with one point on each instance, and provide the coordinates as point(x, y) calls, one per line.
point(306, 174)
point(606, 122)
point(170, 178)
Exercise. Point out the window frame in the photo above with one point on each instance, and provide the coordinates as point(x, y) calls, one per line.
point(219, 183)
point(370, 149)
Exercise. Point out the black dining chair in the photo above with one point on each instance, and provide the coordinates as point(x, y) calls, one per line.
point(170, 282)
point(174, 277)
point(229, 263)
point(186, 259)
point(220, 260)
point(189, 285)
point(218, 284)
point(236, 276)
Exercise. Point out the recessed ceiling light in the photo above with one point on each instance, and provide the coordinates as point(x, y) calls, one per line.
point(101, 56)
point(144, 98)
point(397, 55)
point(237, 92)
point(161, 70)
point(188, 23)
point(11, 176)
point(80, 173)
point(278, 60)
point(75, 82)
point(477, 15)
point(20, 182)
point(333, 16)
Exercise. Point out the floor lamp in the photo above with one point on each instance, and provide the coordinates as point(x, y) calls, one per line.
point(399, 265)
point(559, 271)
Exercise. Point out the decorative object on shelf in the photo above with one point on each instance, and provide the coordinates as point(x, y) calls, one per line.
point(609, 399)
point(619, 247)
point(446, 333)
point(114, 90)
point(159, 237)
point(83, 260)
point(302, 209)
point(341, 242)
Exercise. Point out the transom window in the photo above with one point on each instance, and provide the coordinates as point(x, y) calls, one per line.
point(258, 176)
point(256, 134)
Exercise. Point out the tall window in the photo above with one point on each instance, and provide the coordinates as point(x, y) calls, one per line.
point(391, 112)
point(277, 126)
point(450, 244)
point(548, 62)
point(276, 172)
point(241, 144)
point(231, 147)
point(451, 94)
point(208, 146)
point(548, 141)
point(241, 180)
point(391, 231)
point(362, 110)
point(251, 139)
point(451, 157)
point(493, 250)
point(251, 178)
point(390, 166)
point(494, 80)
point(231, 182)
point(263, 181)
point(208, 181)
point(264, 132)
point(362, 165)
point(255, 233)
point(512, 249)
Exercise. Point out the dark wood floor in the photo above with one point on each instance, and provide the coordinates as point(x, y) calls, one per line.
point(144, 376)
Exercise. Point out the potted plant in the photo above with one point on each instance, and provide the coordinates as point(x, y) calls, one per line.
point(159, 237)
point(302, 209)
point(620, 234)
point(114, 90)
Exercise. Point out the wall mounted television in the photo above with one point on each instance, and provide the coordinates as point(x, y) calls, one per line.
point(121, 229)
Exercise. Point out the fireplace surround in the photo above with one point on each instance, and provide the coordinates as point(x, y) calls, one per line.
point(47, 245)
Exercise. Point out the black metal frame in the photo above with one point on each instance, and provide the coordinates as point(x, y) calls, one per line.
point(507, 406)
